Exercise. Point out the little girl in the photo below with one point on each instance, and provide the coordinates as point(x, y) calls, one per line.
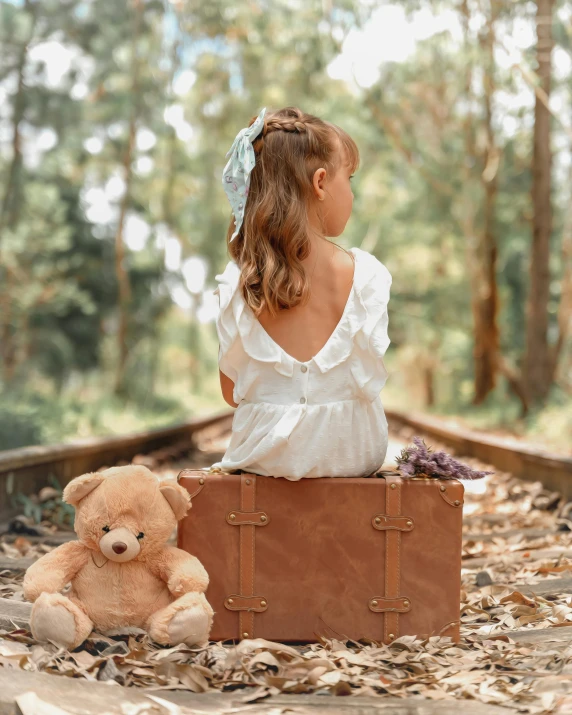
point(302, 323)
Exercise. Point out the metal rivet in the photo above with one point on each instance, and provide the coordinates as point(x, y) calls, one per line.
point(247, 481)
point(391, 636)
point(443, 487)
point(201, 481)
point(245, 635)
point(262, 603)
point(409, 523)
point(377, 520)
point(405, 603)
point(232, 516)
point(457, 502)
point(230, 601)
point(392, 486)
point(263, 518)
point(374, 603)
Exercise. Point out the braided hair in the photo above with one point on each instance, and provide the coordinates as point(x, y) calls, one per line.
point(274, 237)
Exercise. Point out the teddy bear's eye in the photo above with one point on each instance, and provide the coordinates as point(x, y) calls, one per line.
point(140, 535)
point(106, 529)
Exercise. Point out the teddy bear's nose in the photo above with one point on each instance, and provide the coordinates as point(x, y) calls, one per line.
point(119, 547)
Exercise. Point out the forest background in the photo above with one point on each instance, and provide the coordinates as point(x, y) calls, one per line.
point(115, 118)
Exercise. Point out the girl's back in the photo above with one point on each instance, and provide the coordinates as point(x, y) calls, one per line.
point(302, 331)
point(302, 323)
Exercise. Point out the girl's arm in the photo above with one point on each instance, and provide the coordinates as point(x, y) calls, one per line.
point(227, 387)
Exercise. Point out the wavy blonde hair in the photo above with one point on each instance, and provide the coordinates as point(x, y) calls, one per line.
point(274, 236)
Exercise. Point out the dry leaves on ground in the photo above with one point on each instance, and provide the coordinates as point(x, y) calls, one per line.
point(486, 665)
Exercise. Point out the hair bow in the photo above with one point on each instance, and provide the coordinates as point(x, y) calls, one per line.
point(236, 174)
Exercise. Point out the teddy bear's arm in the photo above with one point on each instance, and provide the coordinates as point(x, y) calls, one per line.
point(181, 572)
point(54, 570)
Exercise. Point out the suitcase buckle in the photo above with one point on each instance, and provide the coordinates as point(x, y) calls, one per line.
point(236, 602)
point(384, 522)
point(236, 517)
point(382, 605)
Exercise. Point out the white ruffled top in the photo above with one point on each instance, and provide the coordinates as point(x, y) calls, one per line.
point(319, 418)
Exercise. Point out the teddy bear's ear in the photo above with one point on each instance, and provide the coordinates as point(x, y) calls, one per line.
point(177, 496)
point(80, 487)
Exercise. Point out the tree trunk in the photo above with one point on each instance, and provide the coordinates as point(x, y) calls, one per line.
point(7, 347)
point(565, 305)
point(10, 211)
point(485, 299)
point(537, 362)
point(479, 290)
point(124, 288)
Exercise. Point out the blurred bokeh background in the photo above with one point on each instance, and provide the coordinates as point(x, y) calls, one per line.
point(115, 118)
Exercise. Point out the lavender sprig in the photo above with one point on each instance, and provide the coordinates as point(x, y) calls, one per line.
point(422, 460)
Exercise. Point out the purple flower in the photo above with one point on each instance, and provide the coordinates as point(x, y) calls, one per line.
point(420, 460)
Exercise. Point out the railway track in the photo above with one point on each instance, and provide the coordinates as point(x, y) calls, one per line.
point(26, 470)
point(516, 604)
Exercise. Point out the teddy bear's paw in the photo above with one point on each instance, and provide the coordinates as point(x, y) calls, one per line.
point(190, 626)
point(186, 620)
point(55, 618)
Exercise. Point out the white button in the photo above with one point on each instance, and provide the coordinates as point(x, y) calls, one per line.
point(304, 368)
point(302, 400)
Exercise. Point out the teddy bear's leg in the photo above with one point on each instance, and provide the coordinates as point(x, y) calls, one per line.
point(186, 620)
point(55, 618)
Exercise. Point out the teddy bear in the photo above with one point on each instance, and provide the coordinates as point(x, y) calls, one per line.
point(122, 572)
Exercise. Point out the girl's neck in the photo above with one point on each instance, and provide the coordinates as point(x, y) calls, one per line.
point(320, 249)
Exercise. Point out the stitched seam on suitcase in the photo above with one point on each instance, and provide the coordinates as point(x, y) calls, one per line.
point(253, 537)
point(387, 543)
point(398, 588)
point(240, 556)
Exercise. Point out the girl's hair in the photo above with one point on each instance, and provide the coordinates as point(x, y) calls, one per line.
point(274, 236)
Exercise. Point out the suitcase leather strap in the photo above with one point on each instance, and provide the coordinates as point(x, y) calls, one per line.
point(392, 603)
point(247, 519)
point(392, 556)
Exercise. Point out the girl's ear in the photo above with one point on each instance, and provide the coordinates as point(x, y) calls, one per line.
point(318, 182)
point(80, 487)
point(177, 496)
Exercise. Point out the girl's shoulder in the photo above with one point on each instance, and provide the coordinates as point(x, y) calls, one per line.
point(229, 276)
point(371, 275)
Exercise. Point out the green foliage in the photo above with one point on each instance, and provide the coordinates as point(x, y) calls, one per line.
point(30, 417)
point(415, 188)
point(20, 424)
point(53, 510)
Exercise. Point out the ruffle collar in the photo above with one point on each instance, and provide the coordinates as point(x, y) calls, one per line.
point(237, 319)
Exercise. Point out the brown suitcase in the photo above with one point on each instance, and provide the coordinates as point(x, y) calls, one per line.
point(358, 558)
